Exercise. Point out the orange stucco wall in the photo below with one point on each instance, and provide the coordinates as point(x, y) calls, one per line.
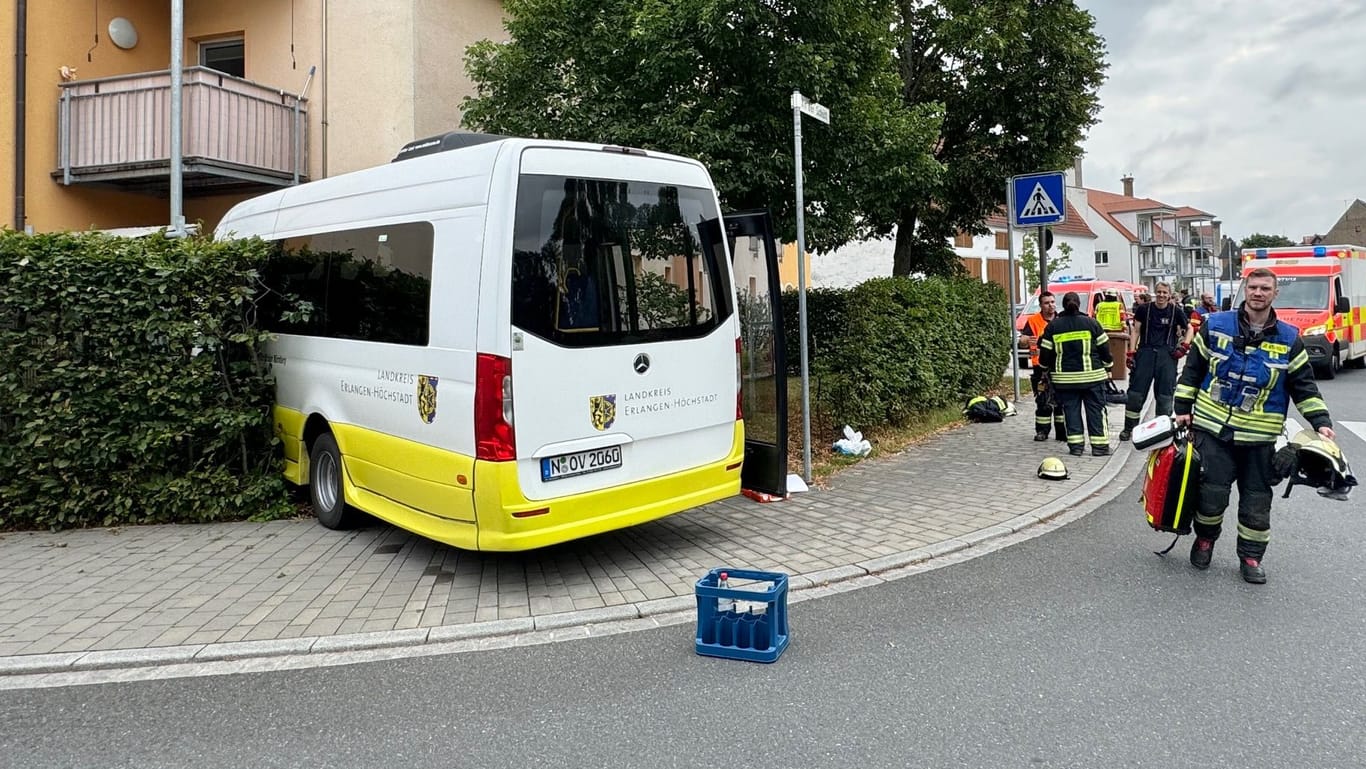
point(396, 75)
point(7, 10)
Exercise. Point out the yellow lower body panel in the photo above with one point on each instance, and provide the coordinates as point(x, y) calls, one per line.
point(289, 428)
point(451, 498)
point(498, 497)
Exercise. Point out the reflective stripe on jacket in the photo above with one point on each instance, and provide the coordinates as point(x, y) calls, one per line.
point(1110, 315)
point(1076, 350)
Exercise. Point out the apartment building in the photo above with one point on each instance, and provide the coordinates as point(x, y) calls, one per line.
point(1147, 241)
point(84, 125)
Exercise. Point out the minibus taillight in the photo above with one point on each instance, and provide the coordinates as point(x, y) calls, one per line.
point(494, 439)
point(739, 382)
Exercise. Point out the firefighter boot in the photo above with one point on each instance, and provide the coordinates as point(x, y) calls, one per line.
point(1202, 552)
point(1252, 570)
point(1128, 431)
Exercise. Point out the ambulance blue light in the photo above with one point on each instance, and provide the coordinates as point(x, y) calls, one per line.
point(1320, 251)
point(1261, 253)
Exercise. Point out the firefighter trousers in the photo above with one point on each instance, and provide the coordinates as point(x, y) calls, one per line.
point(1153, 367)
point(1249, 465)
point(1047, 413)
point(1090, 399)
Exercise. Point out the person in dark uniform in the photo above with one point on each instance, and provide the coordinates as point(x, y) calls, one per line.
point(1157, 343)
point(1246, 370)
point(1075, 351)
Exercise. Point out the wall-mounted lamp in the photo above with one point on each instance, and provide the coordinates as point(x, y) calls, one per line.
point(122, 32)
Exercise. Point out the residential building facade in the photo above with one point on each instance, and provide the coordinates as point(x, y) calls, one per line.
point(275, 93)
point(1148, 241)
point(1112, 236)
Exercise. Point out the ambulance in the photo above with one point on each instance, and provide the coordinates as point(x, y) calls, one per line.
point(1091, 292)
point(1323, 294)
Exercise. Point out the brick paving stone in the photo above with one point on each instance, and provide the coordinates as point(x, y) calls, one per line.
point(132, 587)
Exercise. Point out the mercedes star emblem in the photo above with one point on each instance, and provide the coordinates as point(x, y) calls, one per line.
point(642, 363)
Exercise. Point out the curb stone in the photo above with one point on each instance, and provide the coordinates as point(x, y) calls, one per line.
point(583, 623)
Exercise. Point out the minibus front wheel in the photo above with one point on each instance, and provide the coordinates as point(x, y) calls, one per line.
point(325, 484)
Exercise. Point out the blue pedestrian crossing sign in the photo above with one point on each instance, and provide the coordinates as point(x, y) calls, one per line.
point(1038, 199)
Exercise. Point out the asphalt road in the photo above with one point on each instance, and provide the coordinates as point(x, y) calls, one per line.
point(1079, 648)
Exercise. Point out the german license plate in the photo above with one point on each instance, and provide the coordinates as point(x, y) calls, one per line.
point(580, 463)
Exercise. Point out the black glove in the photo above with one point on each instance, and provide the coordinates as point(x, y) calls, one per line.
point(1284, 463)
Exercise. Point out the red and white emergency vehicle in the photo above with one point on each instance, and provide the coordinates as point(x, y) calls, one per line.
point(1323, 294)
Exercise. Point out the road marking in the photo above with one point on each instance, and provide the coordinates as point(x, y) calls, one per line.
point(1357, 427)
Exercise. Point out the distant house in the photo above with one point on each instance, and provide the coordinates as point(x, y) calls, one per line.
point(1113, 236)
point(1350, 229)
point(1148, 241)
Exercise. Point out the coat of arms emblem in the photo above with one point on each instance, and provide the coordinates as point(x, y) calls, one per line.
point(603, 410)
point(426, 397)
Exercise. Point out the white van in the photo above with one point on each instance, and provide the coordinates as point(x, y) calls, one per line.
point(512, 342)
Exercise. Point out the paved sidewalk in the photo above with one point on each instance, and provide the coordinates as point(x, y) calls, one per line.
point(112, 598)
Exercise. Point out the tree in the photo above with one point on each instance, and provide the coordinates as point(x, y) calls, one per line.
point(1258, 240)
point(1017, 81)
point(934, 102)
point(713, 80)
point(1029, 261)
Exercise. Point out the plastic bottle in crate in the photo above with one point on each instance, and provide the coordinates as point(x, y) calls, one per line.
point(724, 604)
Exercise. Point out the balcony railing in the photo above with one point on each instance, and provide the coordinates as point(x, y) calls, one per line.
point(236, 134)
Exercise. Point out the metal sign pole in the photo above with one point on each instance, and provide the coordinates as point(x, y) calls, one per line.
point(1014, 320)
point(177, 228)
point(1043, 260)
point(801, 104)
point(797, 100)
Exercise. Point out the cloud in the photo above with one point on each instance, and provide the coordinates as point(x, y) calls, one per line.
point(1249, 109)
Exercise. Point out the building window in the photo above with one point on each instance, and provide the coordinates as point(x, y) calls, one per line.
point(1102, 257)
point(226, 56)
point(1002, 241)
point(962, 240)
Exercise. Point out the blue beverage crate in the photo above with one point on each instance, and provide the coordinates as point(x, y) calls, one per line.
point(756, 637)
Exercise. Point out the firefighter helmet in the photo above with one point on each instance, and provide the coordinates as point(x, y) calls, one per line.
point(1318, 462)
point(1052, 468)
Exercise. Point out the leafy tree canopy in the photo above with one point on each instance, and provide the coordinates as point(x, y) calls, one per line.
point(713, 80)
point(934, 103)
point(1258, 240)
point(1017, 80)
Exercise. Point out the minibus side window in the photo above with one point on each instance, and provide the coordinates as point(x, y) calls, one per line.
point(371, 284)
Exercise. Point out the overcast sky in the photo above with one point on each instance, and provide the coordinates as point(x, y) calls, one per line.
point(1251, 110)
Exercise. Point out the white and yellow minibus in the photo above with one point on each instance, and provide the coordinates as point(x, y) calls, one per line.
point(507, 343)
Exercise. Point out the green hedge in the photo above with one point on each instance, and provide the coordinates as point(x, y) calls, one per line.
point(893, 347)
point(130, 390)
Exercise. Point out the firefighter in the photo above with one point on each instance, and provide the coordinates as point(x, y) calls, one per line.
point(1237, 409)
point(1155, 346)
point(1046, 412)
point(1198, 315)
point(1076, 352)
point(1109, 312)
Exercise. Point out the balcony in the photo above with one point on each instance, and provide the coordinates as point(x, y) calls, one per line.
point(1200, 268)
point(237, 136)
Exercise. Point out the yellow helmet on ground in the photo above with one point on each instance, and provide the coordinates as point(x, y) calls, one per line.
point(1052, 468)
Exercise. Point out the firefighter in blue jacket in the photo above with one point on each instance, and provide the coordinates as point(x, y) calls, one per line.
point(1244, 370)
point(1075, 350)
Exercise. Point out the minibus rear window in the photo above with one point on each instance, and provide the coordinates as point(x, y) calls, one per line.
point(601, 262)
